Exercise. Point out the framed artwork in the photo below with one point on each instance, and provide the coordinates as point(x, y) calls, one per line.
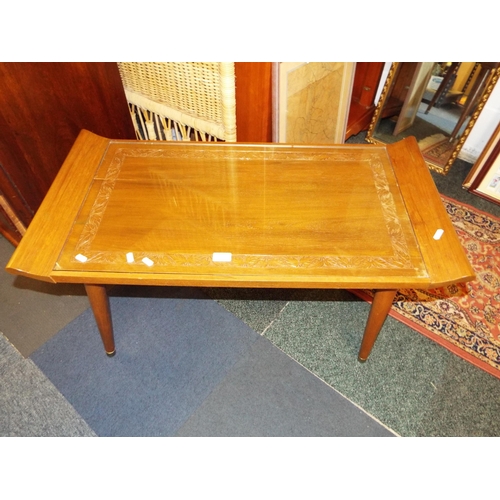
point(313, 101)
point(484, 178)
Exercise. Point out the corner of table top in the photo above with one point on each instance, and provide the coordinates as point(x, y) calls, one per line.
point(39, 248)
point(442, 251)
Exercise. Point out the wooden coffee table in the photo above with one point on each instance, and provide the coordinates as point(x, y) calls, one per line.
point(242, 215)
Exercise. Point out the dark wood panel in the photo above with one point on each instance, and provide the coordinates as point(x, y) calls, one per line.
point(43, 107)
point(366, 81)
point(253, 101)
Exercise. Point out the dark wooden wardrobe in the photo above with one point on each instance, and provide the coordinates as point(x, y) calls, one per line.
point(43, 107)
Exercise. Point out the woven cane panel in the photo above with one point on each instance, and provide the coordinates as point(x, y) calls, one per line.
point(189, 87)
point(190, 93)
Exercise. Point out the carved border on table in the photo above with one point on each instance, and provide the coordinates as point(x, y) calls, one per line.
point(400, 260)
point(392, 222)
point(94, 220)
point(244, 260)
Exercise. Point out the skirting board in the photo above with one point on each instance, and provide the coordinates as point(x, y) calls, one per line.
point(470, 156)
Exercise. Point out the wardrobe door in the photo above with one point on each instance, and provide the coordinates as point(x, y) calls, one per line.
point(43, 107)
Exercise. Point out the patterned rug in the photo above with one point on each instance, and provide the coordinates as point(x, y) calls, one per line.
point(463, 318)
point(437, 148)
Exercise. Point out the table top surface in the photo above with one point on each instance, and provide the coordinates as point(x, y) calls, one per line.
point(242, 215)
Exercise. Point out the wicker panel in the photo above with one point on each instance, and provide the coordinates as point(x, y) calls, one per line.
point(183, 96)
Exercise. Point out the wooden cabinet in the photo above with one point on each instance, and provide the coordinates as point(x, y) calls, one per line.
point(366, 81)
point(43, 107)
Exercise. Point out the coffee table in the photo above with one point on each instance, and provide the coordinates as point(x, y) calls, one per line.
point(242, 215)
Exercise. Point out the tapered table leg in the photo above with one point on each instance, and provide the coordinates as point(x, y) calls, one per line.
point(381, 305)
point(99, 301)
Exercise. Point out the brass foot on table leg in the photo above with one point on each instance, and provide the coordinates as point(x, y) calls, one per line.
point(110, 354)
point(361, 360)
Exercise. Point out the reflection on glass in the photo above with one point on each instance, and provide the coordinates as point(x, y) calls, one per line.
point(437, 103)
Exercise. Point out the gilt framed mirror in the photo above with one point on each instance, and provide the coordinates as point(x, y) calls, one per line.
point(437, 103)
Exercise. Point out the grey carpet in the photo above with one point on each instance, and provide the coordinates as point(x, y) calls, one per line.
point(34, 311)
point(30, 405)
point(170, 354)
point(401, 384)
point(411, 384)
point(269, 394)
point(177, 351)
